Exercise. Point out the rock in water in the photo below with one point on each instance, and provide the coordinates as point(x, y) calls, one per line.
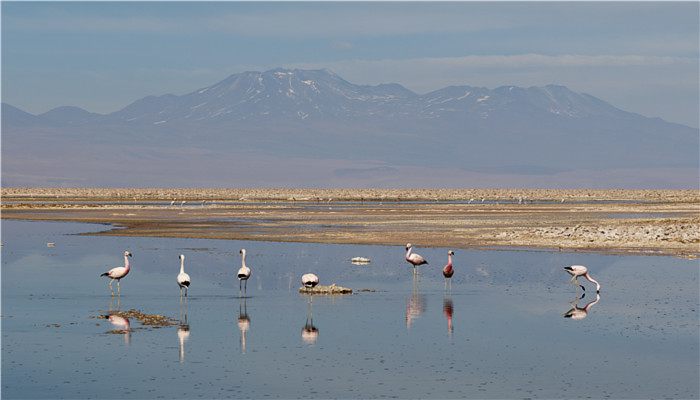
point(321, 289)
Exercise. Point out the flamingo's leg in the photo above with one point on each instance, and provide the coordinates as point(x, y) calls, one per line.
point(119, 288)
point(110, 286)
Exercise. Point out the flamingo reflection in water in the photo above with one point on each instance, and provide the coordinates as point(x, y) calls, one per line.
point(243, 323)
point(309, 333)
point(183, 330)
point(415, 306)
point(578, 312)
point(183, 333)
point(120, 325)
point(448, 310)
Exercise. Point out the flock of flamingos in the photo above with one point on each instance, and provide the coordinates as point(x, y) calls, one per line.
point(311, 280)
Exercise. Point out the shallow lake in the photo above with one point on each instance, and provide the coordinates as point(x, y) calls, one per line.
point(500, 332)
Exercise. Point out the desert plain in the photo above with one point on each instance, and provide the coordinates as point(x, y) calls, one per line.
point(652, 222)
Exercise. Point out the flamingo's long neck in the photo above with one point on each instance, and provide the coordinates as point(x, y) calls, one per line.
point(408, 252)
point(182, 265)
point(449, 260)
point(127, 265)
point(243, 260)
point(597, 285)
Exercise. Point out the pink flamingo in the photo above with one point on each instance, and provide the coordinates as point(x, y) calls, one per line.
point(579, 270)
point(448, 271)
point(413, 258)
point(119, 272)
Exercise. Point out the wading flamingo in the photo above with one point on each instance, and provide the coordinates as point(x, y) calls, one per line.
point(448, 271)
point(243, 274)
point(579, 270)
point(183, 280)
point(413, 258)
point(118, 273)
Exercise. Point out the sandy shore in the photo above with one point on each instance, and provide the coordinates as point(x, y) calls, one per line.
point(629, 221)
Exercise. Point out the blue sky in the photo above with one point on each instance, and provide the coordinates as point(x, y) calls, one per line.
point(639, 56)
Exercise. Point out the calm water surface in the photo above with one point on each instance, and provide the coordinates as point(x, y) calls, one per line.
point(500, 332)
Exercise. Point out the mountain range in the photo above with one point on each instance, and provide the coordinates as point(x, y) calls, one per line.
point(312, 127)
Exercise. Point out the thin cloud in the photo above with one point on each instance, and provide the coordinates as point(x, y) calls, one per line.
point(513, 61)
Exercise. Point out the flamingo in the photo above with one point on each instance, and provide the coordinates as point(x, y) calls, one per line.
point(309, 280)
point(118, 273)
point(448, 271)
point(581, 313)
point(183, 280)
point(414, 259)
point(579, 270)
point(243, 273)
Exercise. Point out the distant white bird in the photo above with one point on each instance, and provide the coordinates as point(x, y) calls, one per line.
point(243, 273)
point(413, 258)
point(360, 260)
point(183, 280)
point(182, 204)
point(119, 272)
point(579, 270)
point(172, 203)
point(309, 280)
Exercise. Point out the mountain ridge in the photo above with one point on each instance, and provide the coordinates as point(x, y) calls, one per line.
point(294, 114)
